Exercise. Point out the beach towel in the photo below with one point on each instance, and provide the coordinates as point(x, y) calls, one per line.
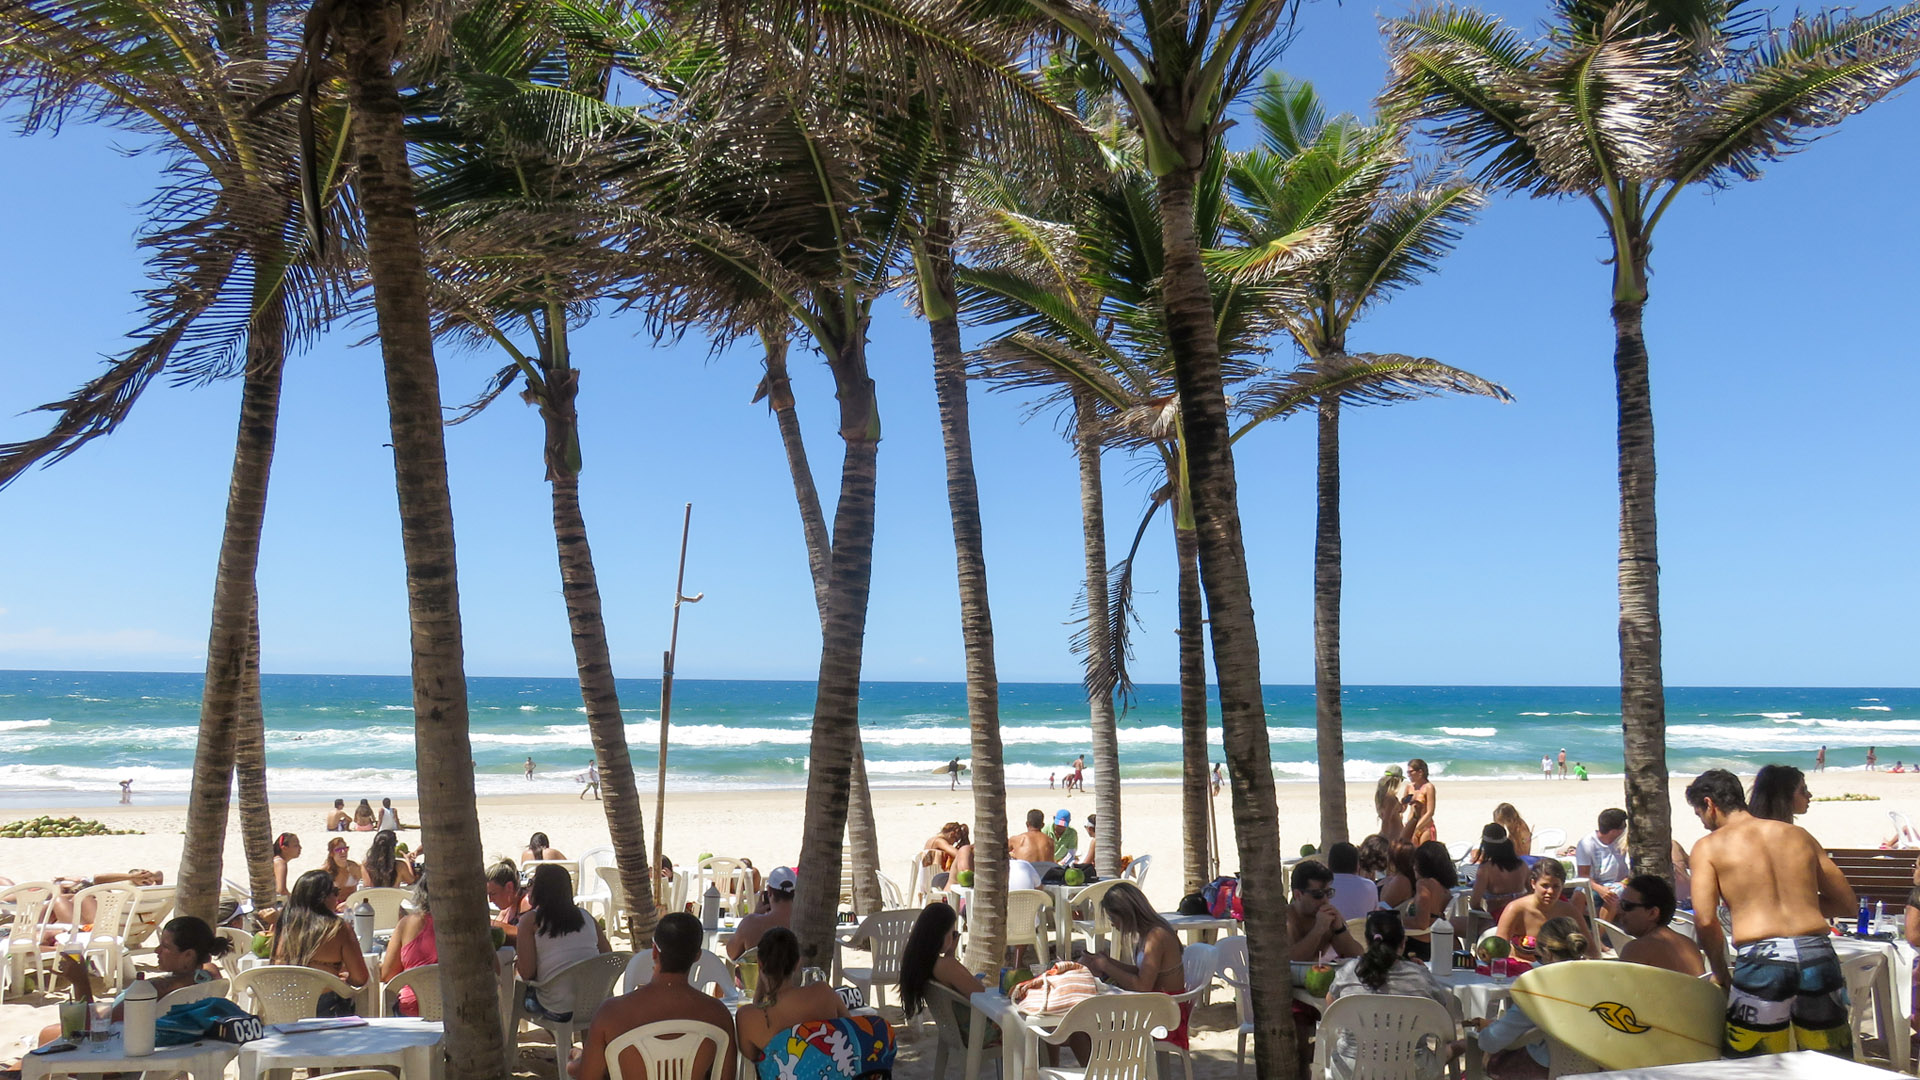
point(207, 1018)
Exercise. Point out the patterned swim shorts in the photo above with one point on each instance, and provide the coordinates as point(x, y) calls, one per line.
point(1787, 990)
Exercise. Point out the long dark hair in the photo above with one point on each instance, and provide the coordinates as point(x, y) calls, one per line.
point(554, 912)
point(1432, 860)
point(1496, 848)
point(922, 951)
point(379, 863)
point(1774, 788)
point(537, 843)
point(1386, 938)
point(1400, 861)
point(779, 953)
point(309, 919)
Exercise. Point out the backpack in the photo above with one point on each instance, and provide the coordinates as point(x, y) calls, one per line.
point(1223, 897)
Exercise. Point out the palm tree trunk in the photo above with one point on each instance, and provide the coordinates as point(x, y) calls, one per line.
point(233, 626)
point(1106, 731)
point(250, 775)
point(1236, 648)
point(863, 836)
point(580, 587)
point(836, 708)
point(987, 917)
point(1329, 739)
point(1195, 786)
point(1643, 703)
point(449, 820)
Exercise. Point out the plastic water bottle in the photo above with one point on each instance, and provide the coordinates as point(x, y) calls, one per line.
point(142, 1004)
point(1879, 916)
point(363, 925)
point(1860, 926)
point(1441, 960)
point(710, 909)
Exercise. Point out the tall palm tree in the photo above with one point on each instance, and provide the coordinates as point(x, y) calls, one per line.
point(1626, 106)
point(1180, 64)
point(1389, 227)
point(510, 121)
point(368, 38)
point(235, 285)
point(776, 388)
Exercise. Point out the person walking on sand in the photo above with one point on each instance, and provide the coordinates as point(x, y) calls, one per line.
point(1781, 887)
point(529, 768)
point(1422, 803)
point(1872, 759)
point(1563, 763)
point(1820, 760)
point(1078, 781)
point(1216, 778)
point(126, 791)
point(593, 780)
point(953, 775)
point(1546, 766)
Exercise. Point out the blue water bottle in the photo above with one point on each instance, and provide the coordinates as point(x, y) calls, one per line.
point(1860, 929)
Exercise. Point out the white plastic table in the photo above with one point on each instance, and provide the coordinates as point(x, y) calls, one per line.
point(203, 1060)
point(1800, 1065)
point(1892, 991)
point(1480, 996)
point(1019, 1033)
point(1202, 928)
point(411, 1045)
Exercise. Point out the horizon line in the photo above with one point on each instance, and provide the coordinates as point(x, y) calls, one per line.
point(962, 681)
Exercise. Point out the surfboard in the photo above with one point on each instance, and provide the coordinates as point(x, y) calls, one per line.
point(942, 770)
point(1625, 1016)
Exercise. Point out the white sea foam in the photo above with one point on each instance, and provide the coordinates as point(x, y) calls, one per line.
point(396, 708)
point(23, 725)
point(1472, 732)
point(1536, 714)
point(1874, 708)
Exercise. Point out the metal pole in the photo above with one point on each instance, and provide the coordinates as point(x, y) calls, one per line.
point(666, 708)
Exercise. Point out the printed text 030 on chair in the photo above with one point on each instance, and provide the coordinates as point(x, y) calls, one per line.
point(671, 1050)
point(1122, 1030)
point(591, 981)
point(283, 993)
point(1386, 1031)
point(884, 935)
point(1030, 923)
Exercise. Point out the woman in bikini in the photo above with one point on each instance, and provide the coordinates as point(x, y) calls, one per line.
point(1503, 876)
point(949, 851)
point(345, 873)
point(779, 1003)
point(1157, 965)
point(1397, 887)
point(1423, 802)
point(309, 934)
point(1386, 802)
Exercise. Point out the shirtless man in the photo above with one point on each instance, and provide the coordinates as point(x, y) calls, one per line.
point(1319, 930)
point(1646, 907)
point(1078, 779)
point(781, 883)
point(338, 820)
point(1421, 801)
point(1780, 887)
point(667, 996)
point(1032, 845)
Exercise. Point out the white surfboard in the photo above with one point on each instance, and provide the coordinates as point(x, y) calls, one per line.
point(1625, 1016)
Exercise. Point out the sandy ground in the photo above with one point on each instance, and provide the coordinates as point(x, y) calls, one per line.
point(765, 826)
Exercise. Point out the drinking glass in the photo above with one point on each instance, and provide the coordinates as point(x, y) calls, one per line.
point(99, 1025)
point(1500, 966)
point(73, 1020)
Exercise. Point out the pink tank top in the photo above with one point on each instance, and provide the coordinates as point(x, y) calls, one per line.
point(417, 951)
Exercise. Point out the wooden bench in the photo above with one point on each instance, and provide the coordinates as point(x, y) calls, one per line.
point(1878, 873)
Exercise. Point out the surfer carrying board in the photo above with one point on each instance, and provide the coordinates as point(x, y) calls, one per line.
point(953, 775)
point(1781, 887)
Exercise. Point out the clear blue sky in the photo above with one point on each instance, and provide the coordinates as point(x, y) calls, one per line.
point(1480, 538)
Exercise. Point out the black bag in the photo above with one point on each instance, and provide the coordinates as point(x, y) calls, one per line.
point(1192, 904)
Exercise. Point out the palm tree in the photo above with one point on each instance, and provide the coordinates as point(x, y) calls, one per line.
point(1388, 228)
point(1180, 64)
point(369, 35)
point(234, 286)
point(1626, 106)
point(511, 121)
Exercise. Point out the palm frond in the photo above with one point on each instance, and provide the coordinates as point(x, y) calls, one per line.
point(1462, 69)
point(1357, 379)
point(1600, 103)
point(1109, 675)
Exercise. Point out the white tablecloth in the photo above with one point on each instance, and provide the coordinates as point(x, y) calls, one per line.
point(1804, 1065)
point(203, 1060)
point(412, 1045)
point(1479, 995)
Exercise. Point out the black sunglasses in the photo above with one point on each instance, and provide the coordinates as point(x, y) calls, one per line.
point(1635, 905)
point(1318, 894)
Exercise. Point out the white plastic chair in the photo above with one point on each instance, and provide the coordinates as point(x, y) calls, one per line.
point(1612, 938)
point(670, 1049)
point(591, 982)
point(1095, 927)
point(709, 970)
point(594, 895)
point(1548, 841)
point(113, 905)
point(242, 946)
point(31, 904)
point(883, 935)
point(944, 1005)
point(571, 866)
point(150, 910)
point(733, 878)
point(1682, 924)
point(1460, 851)
point(1230, 960)
point(1030, 923)
point(1122, 1030)
point(919, 883)
point(1136, 870)
point(209, 989)
point(386, 905)
point(1386, 1031)
point(1904, 834)
point(1563, 1060)
point(890, 895)
point(425, 981)
point(283, 993)
point(1869, 996)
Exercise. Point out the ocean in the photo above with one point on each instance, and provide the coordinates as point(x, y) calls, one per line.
point(70, 737)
